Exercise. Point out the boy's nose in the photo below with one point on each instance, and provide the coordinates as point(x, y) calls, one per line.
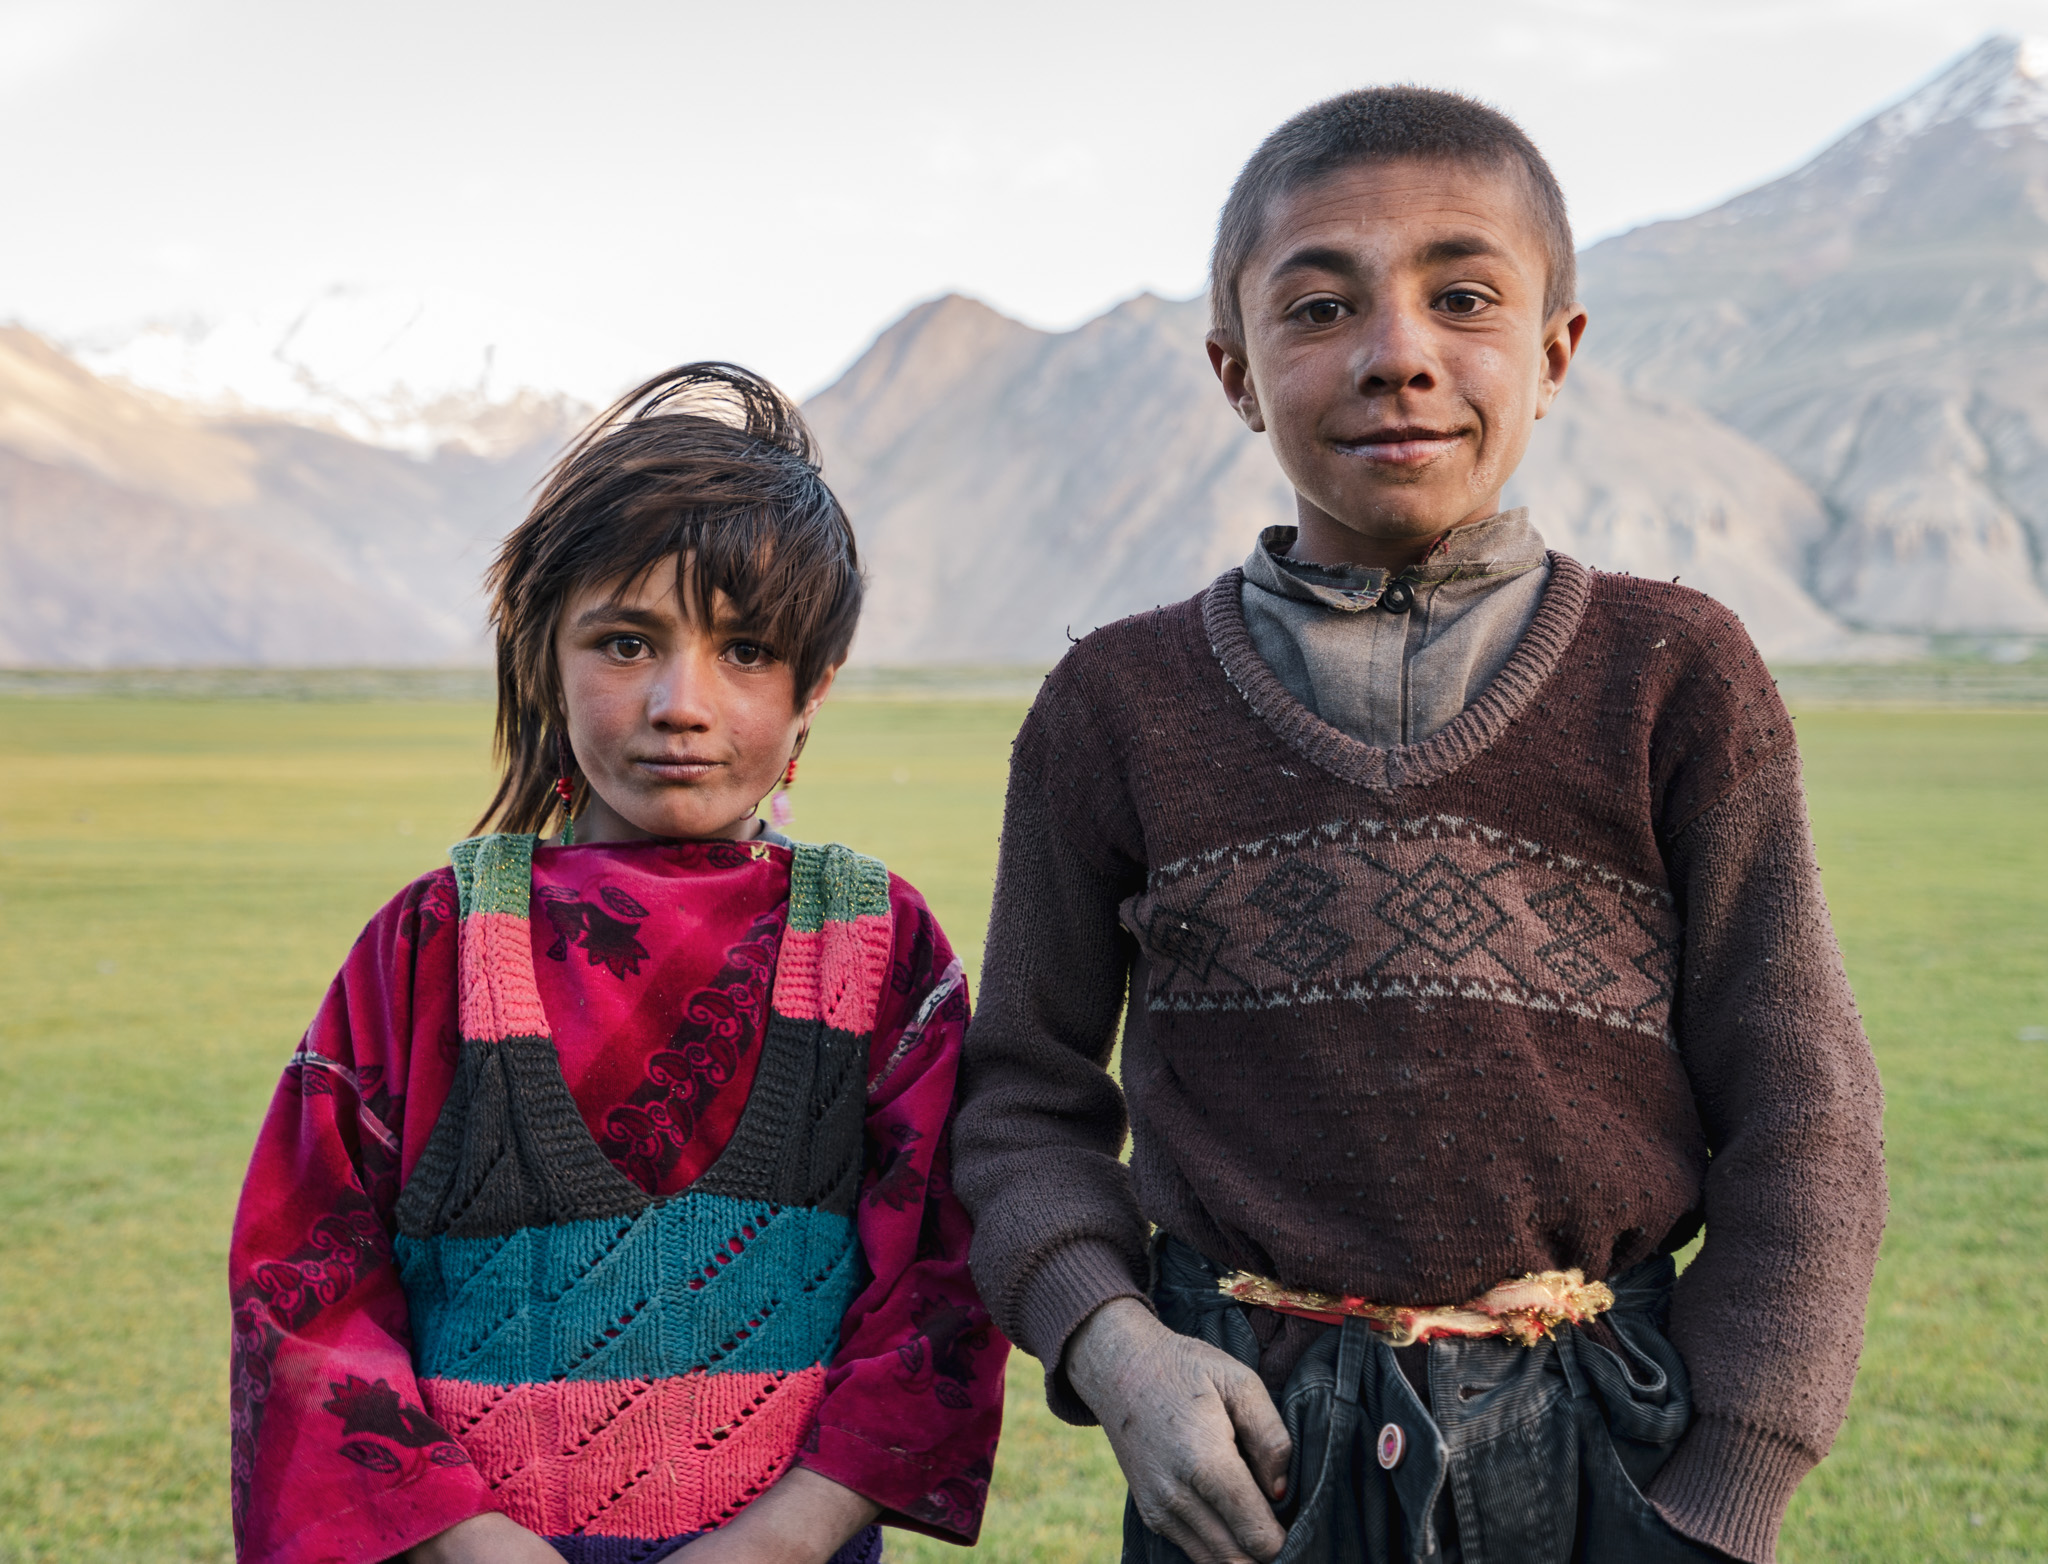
point(1395, 353)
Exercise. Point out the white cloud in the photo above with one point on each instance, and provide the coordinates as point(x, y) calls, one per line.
point(41, 37)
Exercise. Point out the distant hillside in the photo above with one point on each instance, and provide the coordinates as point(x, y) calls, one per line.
point(1825, 402)
point(1012, 486)
point(1879, 320)
point(132, 532)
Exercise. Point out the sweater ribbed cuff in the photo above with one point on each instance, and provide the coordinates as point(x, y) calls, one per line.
point(1072, 1284)
point(1727, 1485)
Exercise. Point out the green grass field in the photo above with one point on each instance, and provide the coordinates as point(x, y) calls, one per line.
point(178, 879)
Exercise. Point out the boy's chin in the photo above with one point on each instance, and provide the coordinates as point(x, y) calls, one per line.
point(1404, 515)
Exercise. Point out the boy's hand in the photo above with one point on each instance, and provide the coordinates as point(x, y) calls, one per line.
point(482, 1539)
point(803, 1518)
point(1198, 1437)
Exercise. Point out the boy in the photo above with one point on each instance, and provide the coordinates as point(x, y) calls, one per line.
point(1474, 948)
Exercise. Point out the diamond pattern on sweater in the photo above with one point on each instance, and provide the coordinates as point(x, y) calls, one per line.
point(1407, 911)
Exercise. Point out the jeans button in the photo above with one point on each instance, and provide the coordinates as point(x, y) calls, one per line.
point(1392, 1445)
point(1398, 598)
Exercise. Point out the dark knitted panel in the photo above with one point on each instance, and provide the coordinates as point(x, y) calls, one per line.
point(799, 1139)
point(510, 1151)
point(865, 1548)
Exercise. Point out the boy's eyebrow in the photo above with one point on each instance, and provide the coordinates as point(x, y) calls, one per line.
point(1331, 258)
point(1317, 258)
point(1456, 247)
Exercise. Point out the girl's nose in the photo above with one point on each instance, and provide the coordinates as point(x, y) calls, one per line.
point(680, 698)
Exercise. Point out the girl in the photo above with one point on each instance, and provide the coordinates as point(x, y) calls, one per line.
point(604, 1211)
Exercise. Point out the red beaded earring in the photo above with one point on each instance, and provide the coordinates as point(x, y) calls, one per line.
point(565, 790)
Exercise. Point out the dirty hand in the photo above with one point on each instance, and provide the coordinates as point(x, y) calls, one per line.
point(1198, 1437)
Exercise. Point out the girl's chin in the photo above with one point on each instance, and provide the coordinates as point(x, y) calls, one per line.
point(674, 825)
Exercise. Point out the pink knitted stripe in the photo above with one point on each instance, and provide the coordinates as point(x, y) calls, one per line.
point(499, 999)
point(834, 975)
point(629, 1457)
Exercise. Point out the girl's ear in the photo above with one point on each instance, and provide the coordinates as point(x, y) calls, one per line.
point(818, 693)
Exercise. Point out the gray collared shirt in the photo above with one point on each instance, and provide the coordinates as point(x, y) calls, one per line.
point(1386, 678)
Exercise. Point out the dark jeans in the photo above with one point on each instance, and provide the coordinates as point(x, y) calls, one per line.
point(1525, 1455)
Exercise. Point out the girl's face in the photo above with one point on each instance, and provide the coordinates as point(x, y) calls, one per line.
point(681, 728)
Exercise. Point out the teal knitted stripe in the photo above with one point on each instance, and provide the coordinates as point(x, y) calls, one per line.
point(638, 1297)
point(834, 884)
point(494, 873)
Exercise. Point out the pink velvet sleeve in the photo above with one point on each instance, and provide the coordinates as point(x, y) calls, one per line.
point(914, 1398)
point(334, 1458)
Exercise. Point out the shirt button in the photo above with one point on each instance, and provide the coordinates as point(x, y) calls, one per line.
point(1398, 598)
point(1392, 1445)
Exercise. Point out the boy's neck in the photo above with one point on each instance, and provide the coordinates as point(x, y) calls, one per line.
point(1321, 539)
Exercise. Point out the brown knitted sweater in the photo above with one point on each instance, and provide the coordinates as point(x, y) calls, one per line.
point(1547, 990)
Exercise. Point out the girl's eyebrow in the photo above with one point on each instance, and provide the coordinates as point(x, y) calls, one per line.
point(619, 613)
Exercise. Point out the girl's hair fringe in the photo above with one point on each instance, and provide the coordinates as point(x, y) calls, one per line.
point(709, 468)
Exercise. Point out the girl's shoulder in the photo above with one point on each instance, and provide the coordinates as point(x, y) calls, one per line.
point(415, 917)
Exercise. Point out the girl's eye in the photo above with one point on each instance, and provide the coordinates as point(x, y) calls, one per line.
point(1322, 312)
point(1462, 302)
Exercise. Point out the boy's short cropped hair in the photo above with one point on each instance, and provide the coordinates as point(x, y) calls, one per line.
point(1381, 125)
point(708, 467)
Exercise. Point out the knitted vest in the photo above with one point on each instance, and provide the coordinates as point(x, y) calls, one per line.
point(623, 1369)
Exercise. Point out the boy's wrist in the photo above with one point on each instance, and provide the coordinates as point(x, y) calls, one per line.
point(1104, 1344)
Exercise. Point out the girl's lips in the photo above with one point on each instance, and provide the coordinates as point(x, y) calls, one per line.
point(678, 770)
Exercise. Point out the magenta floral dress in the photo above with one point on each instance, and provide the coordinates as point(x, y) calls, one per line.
point(654, 964)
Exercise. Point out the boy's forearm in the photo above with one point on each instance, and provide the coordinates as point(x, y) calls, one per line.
point(1041, 1123)
point(1769, 1316)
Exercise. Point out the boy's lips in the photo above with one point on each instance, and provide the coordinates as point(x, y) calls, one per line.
point(1403, 445)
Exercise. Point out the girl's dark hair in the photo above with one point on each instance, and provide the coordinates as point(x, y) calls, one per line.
point(707, 466)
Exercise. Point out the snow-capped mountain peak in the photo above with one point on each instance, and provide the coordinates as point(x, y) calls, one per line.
point(390, 366)
point(1999, 85)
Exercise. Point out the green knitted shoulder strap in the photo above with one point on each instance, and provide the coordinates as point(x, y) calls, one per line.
point(494, 873)
point(829, 883)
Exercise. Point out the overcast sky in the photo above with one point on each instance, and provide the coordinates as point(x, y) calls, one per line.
point(631, 183)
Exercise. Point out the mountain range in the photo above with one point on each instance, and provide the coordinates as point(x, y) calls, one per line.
point(1825, 402)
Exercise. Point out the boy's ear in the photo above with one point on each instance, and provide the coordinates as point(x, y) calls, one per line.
point(1560, 344)
point(1236, 376)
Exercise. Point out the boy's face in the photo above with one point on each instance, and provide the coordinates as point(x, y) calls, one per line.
point(1396, 351)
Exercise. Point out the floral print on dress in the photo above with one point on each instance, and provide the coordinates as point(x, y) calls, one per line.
point(659, 1029)
point(607, 933)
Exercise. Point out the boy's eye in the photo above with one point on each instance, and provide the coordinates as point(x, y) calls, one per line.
point(1322, 312)
point(627, 648)
point(749, 654)
point(1462, 302)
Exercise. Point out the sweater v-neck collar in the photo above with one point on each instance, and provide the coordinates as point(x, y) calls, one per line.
point(1457, 743)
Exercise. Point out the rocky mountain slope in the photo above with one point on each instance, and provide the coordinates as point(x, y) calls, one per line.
point(133, 531)
point(1879, 320)
point(1825, 402)
point(1013, 486)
